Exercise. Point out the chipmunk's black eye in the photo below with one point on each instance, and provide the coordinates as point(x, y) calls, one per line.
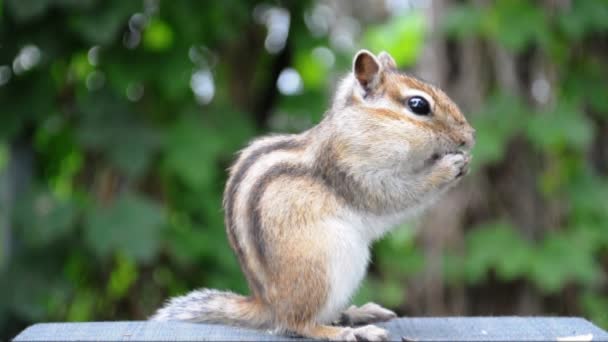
point(419, 105)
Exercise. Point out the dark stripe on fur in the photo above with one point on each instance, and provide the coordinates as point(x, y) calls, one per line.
point(328, 171)
point(229, 203)
point(325, 170)
point(253, 208)
point(343, 184)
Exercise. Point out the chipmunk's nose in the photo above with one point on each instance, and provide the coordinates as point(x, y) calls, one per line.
point(467, 140)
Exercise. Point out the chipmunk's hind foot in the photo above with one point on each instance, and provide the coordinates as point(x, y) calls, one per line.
point(364, 333)
point(368, 313)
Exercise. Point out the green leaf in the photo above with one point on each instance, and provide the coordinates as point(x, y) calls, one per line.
point(122, 277)
point(131, 225)
point(586, 83)
point(312, 70)
point(501, 118)
point(26, 10)
point(4, 155)
point(17, 107)
point(387, 293)
point(110, 127)
point(80, 65)
point(173, 77)
point(158, 36)
point(584, 17)
point(192, 151)
point(44, 219)
point(565, 126)
point(189, 244)
point(102, 26)
point(391, 293)
point(76, 4)
point(518, 24)
point(81, 307)
point(33, 282)
point(397, 254)
point(594, 306)
point(554, 264)
point(487, 247)
point(463, 21)
point(402, 36)
point(588, 192)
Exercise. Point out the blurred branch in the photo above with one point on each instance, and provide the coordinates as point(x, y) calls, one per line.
point(14, 181)
point(268, 94)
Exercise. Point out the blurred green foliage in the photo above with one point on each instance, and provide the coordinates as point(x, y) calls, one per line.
point(573, 253)
point(123, 208)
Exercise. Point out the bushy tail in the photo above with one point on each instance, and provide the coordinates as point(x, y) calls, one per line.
point(213, 306)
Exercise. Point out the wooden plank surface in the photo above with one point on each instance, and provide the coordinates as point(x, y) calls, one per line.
point(413, 329)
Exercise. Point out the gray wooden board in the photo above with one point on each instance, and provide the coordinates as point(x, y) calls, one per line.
point(414, 329)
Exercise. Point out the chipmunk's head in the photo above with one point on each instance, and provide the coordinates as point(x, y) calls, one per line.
point(395, 121)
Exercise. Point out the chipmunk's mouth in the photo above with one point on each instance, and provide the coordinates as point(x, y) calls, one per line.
point(438, 155)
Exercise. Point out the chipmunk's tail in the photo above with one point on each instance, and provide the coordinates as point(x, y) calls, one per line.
point(213, 306)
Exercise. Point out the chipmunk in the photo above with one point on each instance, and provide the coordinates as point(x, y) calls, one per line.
point(302, 210)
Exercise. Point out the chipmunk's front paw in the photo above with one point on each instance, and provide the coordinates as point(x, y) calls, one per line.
point(364, 333)
point(453, 166)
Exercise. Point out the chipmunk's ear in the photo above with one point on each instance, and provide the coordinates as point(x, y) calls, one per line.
point(367, 68)
point(387, 61)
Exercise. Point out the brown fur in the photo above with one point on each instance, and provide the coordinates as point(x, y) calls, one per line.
point(238, 172)
point(299, 285)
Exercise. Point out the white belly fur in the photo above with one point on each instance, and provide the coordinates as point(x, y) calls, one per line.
point(348, 259)
point(348, 239)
